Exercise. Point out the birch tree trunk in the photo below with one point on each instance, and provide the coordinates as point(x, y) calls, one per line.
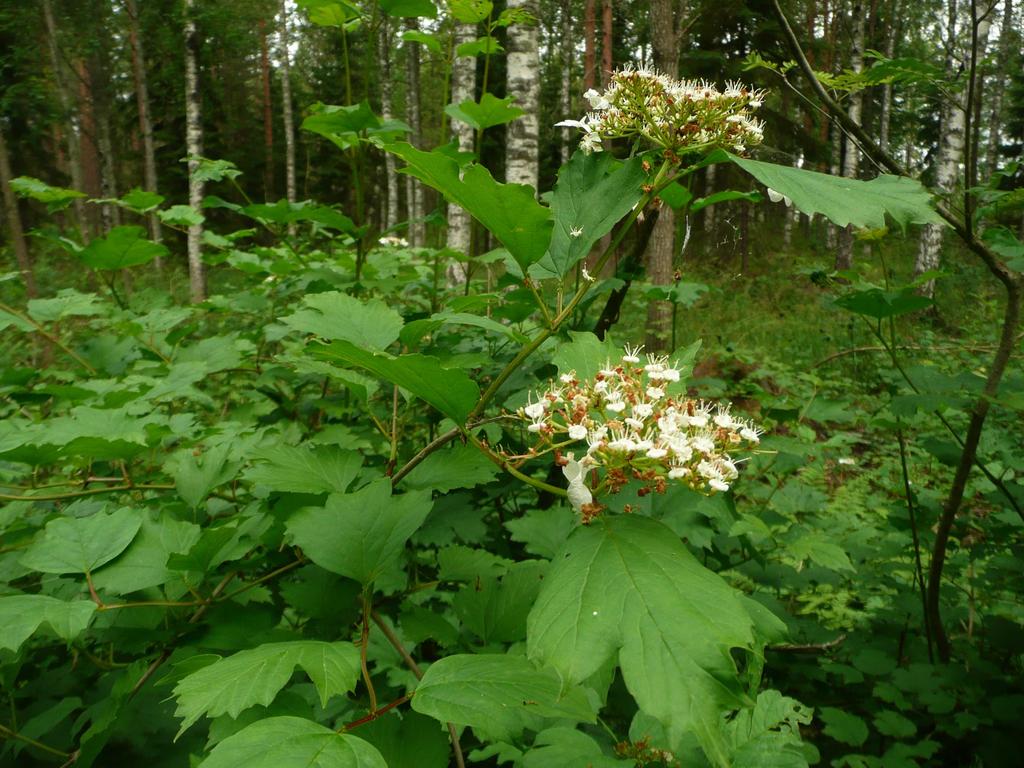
point(851, 154)
point(1000, 76)
point(286, 109)
point(13, 216)
point(665, 16)
point(565, 94)
point(885, 112)
point(523, 84)
point(589, 45)
point(89, 146)
point(463, 88)
point(387, 112)
point(951, 145)
point(149, 182)
point(66, 106)
point(268, 116)
point(413, 189)
point(194, 150)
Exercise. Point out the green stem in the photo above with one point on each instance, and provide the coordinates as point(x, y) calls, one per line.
point(7, 733)
point(48, 336)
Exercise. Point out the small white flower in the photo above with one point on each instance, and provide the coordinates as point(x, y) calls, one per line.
point(535, 410)
point(677, 473)
point(776, 197)
point(575, 231)
point(847, 461)
point(578, 492)
point(582, 124)
point(591, 143)
point(632, 354)
point(703, 444)
point(753, 435)
point(578, 432)
point(587, 276)
point(655, 393)
point(567, 378)
point(724, 420)
point(657, 453)
point(718, 485)
point(616, 406)
point(536, 426)
point(643, 410)
point(634, 423)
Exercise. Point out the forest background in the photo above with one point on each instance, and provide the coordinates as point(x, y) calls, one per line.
point(166, 434)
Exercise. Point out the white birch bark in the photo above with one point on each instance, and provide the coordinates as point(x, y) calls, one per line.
point(194, 150)
point(851, 153)
point(951, 148)
point(149, 178)
point(286, 110)
point(569, 135)
point(414, 189)
point(386, 109)
point(463, 88)
point(1006, 36)
point(523, 84)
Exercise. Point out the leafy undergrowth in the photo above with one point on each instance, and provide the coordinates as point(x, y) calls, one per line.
point(251, 532)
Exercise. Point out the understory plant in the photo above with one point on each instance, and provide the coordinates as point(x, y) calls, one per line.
point(337, 516)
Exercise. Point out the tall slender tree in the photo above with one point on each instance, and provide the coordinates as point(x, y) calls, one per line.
point(286, 106)
point(664, 17)
point(414, 190)
point(194, 151)
point(384, 55)
point(268, 115)
point(953, 127)
point(14, 229)
point(145, 119)
point(463, 88)
point(851, 152)
point(523, 84)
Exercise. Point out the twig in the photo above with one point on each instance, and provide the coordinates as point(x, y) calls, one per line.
point(375, 714)
point(410, 662)
point(49, 336)
point(7, 733)
point(808, 647)
point(89, 492)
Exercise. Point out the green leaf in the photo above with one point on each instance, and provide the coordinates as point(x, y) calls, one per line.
point(470, 11)
point(594, 191)
point(567, 748)
point(451, 391)
point(196, 473)
point(880, 304)
point(294, 469)
point(542, 531)
point(431, 41)
point(343, 126)
point(55, 198)
point(359, 534)
point(140, 201)
point(482, 45)
point(67, 303)
point(585, 354)
point(891, 723)
point(506, 693)
point(22, 615)
point(255, 676)
point(843, 201)
point(330, 13)
point(292, 742)
point(723, 197)
point(627, 585)
point(509, 211)
point(463, 466)
point(495, 609)
point(412, 741)
point(825, 553)
point(125, 246)
point(409, 8)
point(284, 212)
point(459, 563)
point(82, 544)
point(844, 727)
point(336, 315)
point(144, 563)
point(214, 170)
point(181, 216)
point(486, 113)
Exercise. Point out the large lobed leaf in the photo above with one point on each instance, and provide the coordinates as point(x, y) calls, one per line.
point(125, 246)
point(627, 585)
point(292, 742)
point(255, 676)
point(593, 192)
point(452, 392)
point(336, 315)
point(22, 615)
point(359, 534)
point(864, 204)
point(509, 211)
point(496, 692)
point(82, 544)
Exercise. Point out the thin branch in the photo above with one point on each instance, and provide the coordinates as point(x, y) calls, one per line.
point(49, 337)
point(808, 647)
point(89, 492)
point(7, 733)
point(375, 714)
point(410, 662)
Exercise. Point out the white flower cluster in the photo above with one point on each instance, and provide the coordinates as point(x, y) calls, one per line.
point(681, 116)
point(634, 429)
